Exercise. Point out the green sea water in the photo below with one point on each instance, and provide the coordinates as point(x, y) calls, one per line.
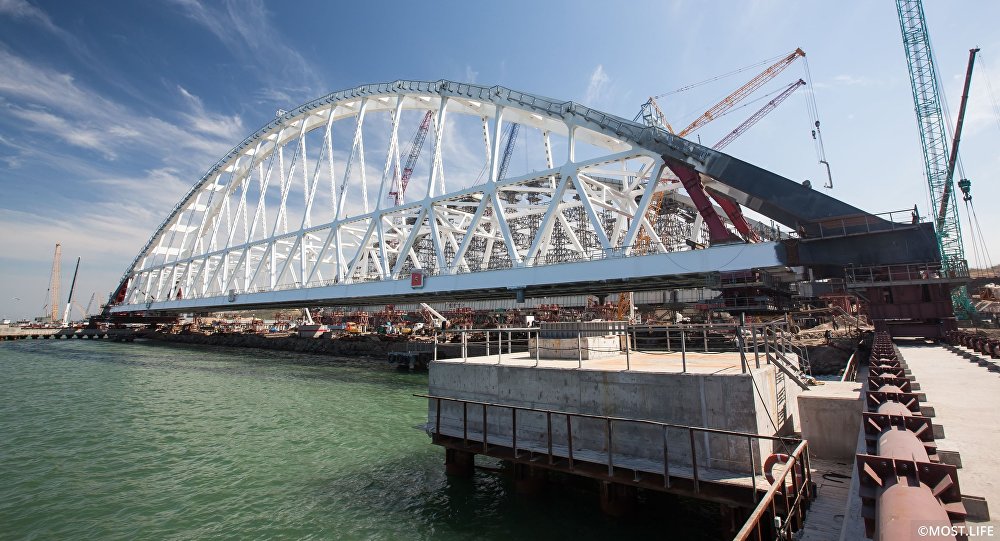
point(103, 440)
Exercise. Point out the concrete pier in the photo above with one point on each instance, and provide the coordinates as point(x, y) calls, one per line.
point(608, 419)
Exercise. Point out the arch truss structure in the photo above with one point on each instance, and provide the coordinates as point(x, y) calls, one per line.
point(317, 205)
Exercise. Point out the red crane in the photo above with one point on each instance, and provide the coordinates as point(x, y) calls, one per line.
point(761, 113)
point(416, 145)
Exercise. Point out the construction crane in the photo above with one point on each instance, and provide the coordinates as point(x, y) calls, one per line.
point(416, 145)
point(69, 301)
point(508, 150)
point(761, 113)
point(53, 292)
point(953, 159)
point(90, 304)
point(652, 115)
point(930, 123)
point(742, 92)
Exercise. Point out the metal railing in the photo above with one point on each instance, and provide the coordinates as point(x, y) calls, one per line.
point(757, 343)
point(866, 223)
point(905, 272)
point(768, 520)
point(550, 448)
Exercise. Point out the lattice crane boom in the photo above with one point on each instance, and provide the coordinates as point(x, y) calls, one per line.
point(416, 145)
point(761, 113)
point(652, 115)
point(742, 92)
point(53, 300)
point(508, 150)
point(942, 214)
point(933, 138)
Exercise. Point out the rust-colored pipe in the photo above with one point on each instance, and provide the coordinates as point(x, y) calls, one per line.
point(904, 507)
point(894, 408)
point(902, 444)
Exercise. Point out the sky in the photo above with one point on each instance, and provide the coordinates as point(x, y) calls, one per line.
point(111, 110)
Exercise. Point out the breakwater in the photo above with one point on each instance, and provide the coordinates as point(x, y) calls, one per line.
point(373, 346)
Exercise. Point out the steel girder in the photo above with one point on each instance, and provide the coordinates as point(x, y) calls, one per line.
point(288, 211)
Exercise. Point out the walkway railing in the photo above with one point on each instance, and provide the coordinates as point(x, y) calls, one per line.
point(867, 223)
point(905, 273)
point(558, 447)
point(782, 511)
point(756, 343)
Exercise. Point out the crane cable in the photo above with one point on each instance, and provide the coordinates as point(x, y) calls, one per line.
point(813, 112)
point(989, 88)
point(978, 238)
point(960, 172)
point(701, 108)
point(720, 77)
point(977, 229)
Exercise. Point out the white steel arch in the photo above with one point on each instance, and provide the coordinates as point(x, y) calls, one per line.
point(303, 205)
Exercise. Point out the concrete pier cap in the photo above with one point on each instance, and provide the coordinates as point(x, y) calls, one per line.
point(760, 401)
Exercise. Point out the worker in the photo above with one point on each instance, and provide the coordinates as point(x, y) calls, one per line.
point(828, 335)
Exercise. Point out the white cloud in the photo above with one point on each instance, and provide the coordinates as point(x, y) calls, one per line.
point(225, 127)
point(76, 134)
point(597, 87)
point(69, 116)
point(470, 76)
point(52, 102)
point(246, 30)
point(20, 9)
point(853, 80)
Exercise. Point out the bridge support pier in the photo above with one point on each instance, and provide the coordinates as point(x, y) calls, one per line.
point(459, 463)
point(731, 519)
point(529, 480)
point(618, 500)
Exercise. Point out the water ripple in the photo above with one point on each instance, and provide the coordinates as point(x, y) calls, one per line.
point(100, 440)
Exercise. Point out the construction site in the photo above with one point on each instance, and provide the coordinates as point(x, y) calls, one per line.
point(651, 315)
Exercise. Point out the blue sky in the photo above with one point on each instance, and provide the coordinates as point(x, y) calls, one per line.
point(110, 111)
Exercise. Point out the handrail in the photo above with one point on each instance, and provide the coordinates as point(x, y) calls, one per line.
point(745, 339)
point(782, 439)
point(906, 272)
point(609, 441)
point(801, 488)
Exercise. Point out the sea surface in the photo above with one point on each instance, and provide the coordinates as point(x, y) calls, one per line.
point(104, 440)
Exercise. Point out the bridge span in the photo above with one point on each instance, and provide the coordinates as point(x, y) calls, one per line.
point(317, 207)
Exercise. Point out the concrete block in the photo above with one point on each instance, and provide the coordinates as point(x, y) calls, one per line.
point(831, 415)
point(593, 347)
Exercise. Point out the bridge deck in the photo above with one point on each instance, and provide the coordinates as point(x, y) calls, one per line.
point(655, 362)
point(966, 397)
